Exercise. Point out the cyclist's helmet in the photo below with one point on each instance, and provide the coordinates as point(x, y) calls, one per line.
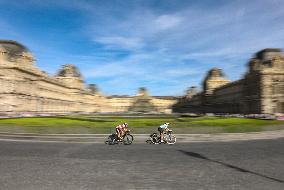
point(167, 123)
point(125, 124)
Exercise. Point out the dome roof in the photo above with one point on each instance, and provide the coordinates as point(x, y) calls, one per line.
point(12, 47)
point(215, 73)
point(69, 70)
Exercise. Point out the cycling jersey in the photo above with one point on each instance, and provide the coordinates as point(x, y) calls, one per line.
point(120, 127)
point(164, 126)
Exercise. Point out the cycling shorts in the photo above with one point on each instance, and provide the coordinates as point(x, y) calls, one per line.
point(161, 129)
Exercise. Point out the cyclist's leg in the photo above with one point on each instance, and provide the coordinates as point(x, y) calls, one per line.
point(118, 133)
point(121, 134)
point(161, 134)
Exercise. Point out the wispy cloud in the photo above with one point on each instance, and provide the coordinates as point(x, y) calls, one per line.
point(165, 22)
point(120, 42)
point(195, 36)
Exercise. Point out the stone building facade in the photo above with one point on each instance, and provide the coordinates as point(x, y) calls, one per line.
point(27, 89)
point(260, 91)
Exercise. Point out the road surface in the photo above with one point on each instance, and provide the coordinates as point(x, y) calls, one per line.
point(72, 166)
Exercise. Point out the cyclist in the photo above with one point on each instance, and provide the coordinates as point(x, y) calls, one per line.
point(120, 130)
point(163, 128)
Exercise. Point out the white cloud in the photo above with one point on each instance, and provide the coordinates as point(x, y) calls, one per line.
point(120, 42)
point(165, 22)
point(166, 49)
point(209, 36)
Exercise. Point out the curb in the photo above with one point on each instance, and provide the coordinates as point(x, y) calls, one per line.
point(140, 138)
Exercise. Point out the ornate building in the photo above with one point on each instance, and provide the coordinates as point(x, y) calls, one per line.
point(27, 89)
point(260, 91)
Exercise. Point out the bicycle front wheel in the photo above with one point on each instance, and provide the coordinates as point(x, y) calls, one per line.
point(127, 139)
point(171, 139)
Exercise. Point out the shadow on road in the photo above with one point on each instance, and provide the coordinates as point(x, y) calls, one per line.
point(200, 156)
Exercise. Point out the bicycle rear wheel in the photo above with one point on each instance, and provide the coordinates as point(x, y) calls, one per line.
point(111, 140)
point(127, 139)
point(155, 139)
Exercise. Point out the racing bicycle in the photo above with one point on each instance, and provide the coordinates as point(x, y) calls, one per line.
point(169, 137)
point(127, 139)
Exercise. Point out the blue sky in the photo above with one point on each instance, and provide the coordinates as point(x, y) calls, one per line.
point(164, 45)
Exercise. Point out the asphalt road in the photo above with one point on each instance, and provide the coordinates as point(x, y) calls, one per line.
point(228, 165)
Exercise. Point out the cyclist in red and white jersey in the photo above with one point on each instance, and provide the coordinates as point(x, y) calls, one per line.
point(120, 130)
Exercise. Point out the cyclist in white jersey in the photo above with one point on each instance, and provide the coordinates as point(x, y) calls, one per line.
point(161, 129)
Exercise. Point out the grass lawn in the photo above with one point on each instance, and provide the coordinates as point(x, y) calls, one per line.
point(138, 124)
